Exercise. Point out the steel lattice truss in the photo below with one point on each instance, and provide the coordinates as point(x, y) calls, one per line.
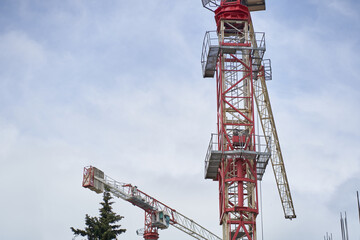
point(237, 174)
point(269, 129)
point(239, 162)
point(267, 121)
point(149, 204)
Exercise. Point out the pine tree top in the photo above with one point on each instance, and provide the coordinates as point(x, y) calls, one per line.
point(103, 227)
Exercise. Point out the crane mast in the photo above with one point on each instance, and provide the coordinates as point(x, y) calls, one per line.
point(237, 156)
point(157, 214)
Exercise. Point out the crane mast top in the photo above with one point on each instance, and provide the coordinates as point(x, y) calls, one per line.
point(157, 214)
point(253, 5)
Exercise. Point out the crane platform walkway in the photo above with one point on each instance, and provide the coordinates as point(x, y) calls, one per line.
point(214, 157)
point(212, 48)
point(210, 53)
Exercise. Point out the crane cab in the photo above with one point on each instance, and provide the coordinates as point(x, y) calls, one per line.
point(160, 220)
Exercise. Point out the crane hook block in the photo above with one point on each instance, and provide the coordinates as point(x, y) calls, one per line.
point(92, 179)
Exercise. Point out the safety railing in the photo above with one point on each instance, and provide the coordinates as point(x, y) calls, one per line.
point(267, 69)
point(211, 4)
point(255, 40)
point(261, 142)
point(209, 53)
point(262, 149)
point(248, 43)
point(260, 40)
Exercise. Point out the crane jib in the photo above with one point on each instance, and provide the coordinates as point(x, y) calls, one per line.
point(158, 215)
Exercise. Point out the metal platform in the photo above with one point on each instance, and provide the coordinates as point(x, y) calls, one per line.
point(138, 201)
point(212, 164)
point(211, 49)
point(210, 53)
point(214, 157)
point(210, 66)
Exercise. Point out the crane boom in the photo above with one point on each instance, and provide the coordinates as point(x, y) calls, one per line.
point(267, 121)
point(96, 180)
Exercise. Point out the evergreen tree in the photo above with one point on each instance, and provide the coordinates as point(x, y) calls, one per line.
point(103, 227)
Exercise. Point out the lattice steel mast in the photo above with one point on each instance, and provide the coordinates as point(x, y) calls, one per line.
point(157, 214)
point(236, 157)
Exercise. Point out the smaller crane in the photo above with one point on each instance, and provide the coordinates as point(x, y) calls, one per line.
point(157, 214)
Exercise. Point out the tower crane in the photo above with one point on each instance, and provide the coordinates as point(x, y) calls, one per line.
point(157, 214)
point(237, 155)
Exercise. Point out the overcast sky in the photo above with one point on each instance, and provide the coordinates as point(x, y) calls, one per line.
point(118, 85)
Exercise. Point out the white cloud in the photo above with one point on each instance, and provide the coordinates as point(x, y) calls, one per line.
point(118, 85)
point(19, 54)
point(345, 8)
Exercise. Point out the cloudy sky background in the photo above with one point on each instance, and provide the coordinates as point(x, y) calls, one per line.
point(118, 85)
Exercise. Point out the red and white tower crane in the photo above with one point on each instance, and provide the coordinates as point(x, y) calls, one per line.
point(237, 155)
point(157, 214)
